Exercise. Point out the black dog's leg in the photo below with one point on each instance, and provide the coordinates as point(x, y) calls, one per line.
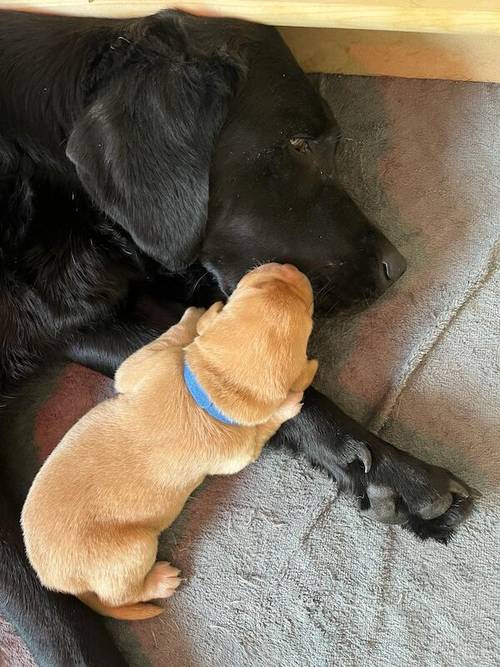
point(58, 630)
point(391, 485)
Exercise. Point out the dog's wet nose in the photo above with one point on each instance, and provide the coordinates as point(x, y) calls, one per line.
point(392, 264)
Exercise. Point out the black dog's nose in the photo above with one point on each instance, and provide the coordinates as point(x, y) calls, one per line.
point(392, 263)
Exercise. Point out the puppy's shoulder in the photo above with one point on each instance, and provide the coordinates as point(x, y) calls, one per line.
point(160, 381)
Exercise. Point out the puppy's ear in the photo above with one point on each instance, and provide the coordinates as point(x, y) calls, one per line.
point(143, 151)
point(307, 376)
point(207, 319)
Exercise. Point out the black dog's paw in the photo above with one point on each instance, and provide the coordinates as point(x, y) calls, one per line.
point(352, 450)
point(442, 527)
point(427, 500)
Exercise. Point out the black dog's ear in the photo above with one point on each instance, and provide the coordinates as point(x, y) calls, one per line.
point(143, 151)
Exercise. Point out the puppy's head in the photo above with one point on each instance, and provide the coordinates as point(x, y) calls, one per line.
point(252, 352)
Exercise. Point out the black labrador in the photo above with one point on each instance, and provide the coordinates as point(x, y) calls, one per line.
point(164, 157)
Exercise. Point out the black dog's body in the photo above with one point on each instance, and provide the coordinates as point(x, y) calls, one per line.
point(112, 136)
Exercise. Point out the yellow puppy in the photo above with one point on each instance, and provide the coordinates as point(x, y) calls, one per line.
point(202, 399)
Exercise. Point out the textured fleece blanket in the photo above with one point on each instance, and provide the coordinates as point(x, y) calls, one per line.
point(281, 571)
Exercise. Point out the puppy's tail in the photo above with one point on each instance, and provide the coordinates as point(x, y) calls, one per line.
point(132, 612)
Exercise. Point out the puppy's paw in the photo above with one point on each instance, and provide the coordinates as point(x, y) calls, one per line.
point(291, 407)
point(162, 581)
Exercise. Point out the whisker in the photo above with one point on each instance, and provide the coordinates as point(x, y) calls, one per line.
point(198, 281)
point(261, 262)
point(326, 288)
point(332, 307)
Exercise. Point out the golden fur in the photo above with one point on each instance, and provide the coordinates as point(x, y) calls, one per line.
point(122, 474)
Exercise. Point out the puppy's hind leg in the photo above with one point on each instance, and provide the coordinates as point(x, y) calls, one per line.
point(161, 582)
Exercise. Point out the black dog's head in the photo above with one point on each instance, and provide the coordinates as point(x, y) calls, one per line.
point(205, 140)
point(274, 192)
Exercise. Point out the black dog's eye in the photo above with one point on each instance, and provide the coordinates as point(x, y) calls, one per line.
point(300, 144)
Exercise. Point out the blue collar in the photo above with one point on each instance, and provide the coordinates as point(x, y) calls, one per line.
point(201, 397)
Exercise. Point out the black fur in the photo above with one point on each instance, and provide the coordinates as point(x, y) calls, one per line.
point(441, 528)
point(164, 157)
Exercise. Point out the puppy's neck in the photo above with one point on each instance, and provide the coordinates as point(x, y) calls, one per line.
point(238, 395)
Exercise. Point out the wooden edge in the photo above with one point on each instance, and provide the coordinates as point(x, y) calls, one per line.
point(379, 53)
point(442, 16)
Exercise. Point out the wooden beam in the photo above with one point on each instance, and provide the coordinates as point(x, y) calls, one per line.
point(440, 16)
point(404, 54)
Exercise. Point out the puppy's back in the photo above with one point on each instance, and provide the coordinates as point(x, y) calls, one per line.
point(123, 462)
point(69, 486)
